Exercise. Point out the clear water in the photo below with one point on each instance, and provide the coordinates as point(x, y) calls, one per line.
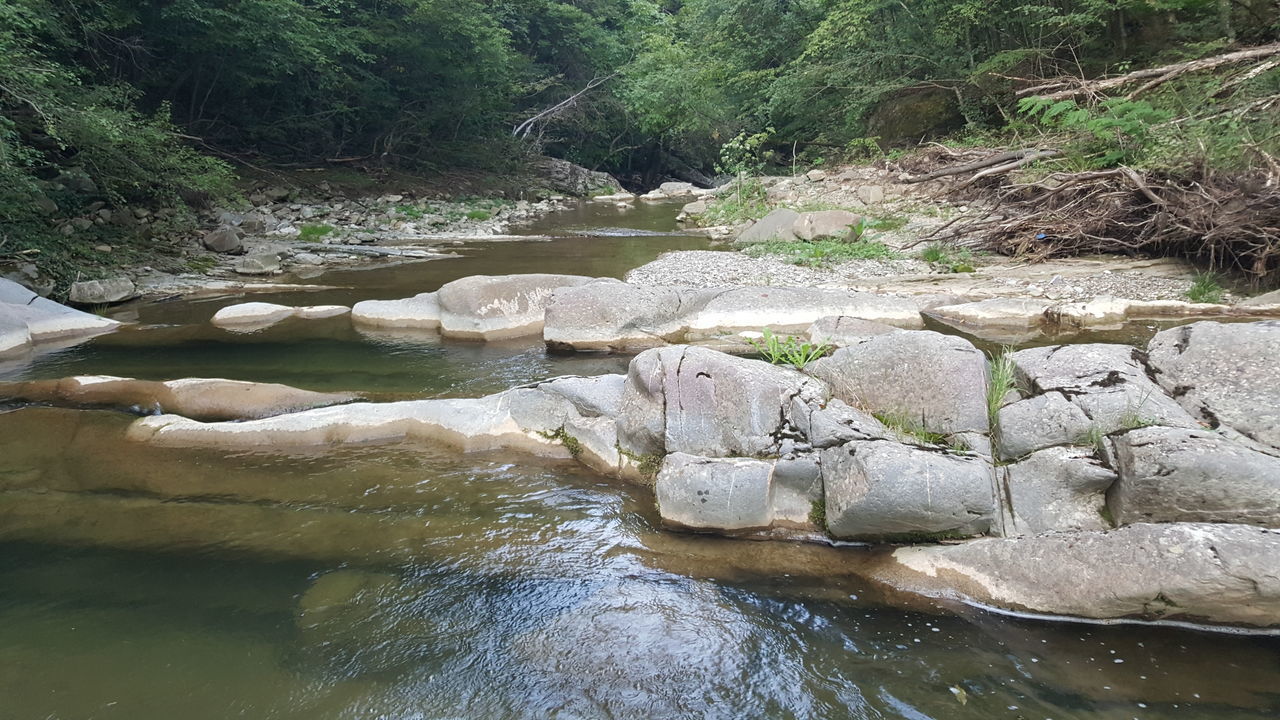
point(142, 583)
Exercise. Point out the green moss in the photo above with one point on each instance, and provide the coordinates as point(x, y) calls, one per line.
point(562, 436)
point(315, 232)
point(818, 513)
point(1105, 513)
point(648, 465)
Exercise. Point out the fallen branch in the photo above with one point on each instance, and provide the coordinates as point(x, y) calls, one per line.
point(997, 159)
point(1006, 167)
point(523, 129)
point(1064, 88)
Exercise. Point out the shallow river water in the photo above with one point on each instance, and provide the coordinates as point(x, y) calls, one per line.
point(406, 582)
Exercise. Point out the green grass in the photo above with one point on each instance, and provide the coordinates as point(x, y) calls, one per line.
point(1003, 380)
point(948, 257)
point(747, 201)
point(823, 253)
point(888, 222)
point(413, 212)
point(201, 264)
point(788, 350)
point(479, 215)
point(904, 424)
point(315, 232)
point(1205, 288)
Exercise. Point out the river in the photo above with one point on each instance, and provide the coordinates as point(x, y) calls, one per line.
point(143, 583)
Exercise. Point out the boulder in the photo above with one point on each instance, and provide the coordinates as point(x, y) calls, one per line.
point(1216, 573)
point(1180, 475)
point(102, 292)
point(257, 264)
point(1056, 489)
point(836, 424)
point(871, 194)
point(923, 378)
point(593, 396)
point(422, 312)
point(14, 336)
point(28, 318)
point(778, 225)
point(224, 239)
point(715, 493)
point(702, 402)
point(789, 310)
point(677, 189)
point(251, 313)
point(825, 224)
point(1108, 382)
point(998, 319)
point(563, 176)
point(886, 491)
point(1224, 374)
point(484, 307)
point(594, 443)
point(1263, 300)
point(797, 489)
point(1043, 421)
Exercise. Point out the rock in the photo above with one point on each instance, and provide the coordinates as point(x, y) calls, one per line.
point(484, 307)
point(695, 208)
point(1100, 313)
point(522, 419)
point(27, 318)
point(1180, 475)
point(320, 312)
point(197, 398)
point(1217, 573)
point(1036, 423)
point(101, 292)
point(788, 310)
point(252, 313)
point(676, 189)
point(702, 402)
point(720, 493)
point(306, 258)
point(923, 378)
point(421, 311)
point(1056, 489)
point(276, 194)
point(594, 396)
point(871, 194)
point(1108, 382)
point(885, 491)
point(618, 197)
point(797, 487)
point(564, 176)
point(816, 175)
point(257, 264)
point(836, 424)
point(1224, 374)
point(824, 224)
point(225, 239)
point(997, 318)
point(611, 315)
point(841, 331)
point(778, 225)
point(595, 443)
point(1263, 300)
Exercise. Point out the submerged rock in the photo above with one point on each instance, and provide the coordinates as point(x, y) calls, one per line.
point(258, 315)
point(1216, 573)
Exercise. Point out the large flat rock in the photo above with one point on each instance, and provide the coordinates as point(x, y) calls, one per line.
point(1215, 573)
point(27, 319)
point(1224, 374)
point(616, 316)
point(493, 307)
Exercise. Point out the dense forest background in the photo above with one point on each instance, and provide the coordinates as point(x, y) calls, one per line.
point(131, 101)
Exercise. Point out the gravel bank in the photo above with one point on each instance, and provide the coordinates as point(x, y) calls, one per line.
point(711, 268)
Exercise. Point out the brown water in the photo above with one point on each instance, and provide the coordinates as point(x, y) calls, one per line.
point(146, 583)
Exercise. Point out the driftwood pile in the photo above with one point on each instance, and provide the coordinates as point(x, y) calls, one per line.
point(1228, 221)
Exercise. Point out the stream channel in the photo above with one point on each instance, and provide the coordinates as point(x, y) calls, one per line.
point(399, 582)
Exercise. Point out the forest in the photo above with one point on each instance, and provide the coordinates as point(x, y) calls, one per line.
point(162, 103)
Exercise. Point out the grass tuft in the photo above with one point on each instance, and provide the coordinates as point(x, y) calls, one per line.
point(788, 350)
point(1205, 288)
point(1003, 380)
point(823, 253)
point(315, 232)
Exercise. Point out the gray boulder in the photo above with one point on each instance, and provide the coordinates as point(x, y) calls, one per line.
point(720, 493)
point(593, 396)
point(924, 378)
point(702, 402)
point(27, 318)
point(824, 224)
point(797, 486)
point(1224, 374)
point(225, 239)
point(836, 424)
point(563, 176)
point(1179, 475)
point(490, 307)
point(1039, 422)
point(880, 490)
point(1216, 573)
point(1056, 489)
point(777, 225)
point(100, 292)
point(615, 316)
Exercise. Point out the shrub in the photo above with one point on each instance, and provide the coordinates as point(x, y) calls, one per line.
point(1205, 288)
